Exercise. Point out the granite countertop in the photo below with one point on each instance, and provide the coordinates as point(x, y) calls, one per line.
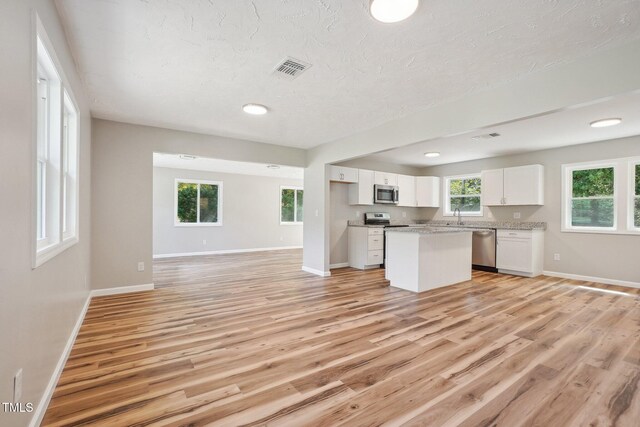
point(429, 230)
point(500, 225)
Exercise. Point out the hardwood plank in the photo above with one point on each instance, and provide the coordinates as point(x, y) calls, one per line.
point(251, 339)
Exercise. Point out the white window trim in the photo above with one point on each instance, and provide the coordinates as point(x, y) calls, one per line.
point(177, 223)
point(42, 252)
point(295, 210)
point(447, 198)
point(622, 196)
point(631, 173)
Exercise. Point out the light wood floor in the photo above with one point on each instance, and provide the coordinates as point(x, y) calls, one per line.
point(251, 340)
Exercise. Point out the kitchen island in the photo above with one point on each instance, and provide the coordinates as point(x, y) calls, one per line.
point(419, 259)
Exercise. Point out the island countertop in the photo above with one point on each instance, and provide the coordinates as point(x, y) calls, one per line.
point(428, 230)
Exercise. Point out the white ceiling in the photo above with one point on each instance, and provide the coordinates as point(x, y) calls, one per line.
point(192, 64)
point(174, 161)
point(557, 129)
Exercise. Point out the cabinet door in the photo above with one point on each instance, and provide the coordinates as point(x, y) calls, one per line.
point(428, 191)
point(514, 254)
point(361, 193)
point(492, 187)
point(407, 189)
point(385, 178)
point(524, 185)
point(342, 174)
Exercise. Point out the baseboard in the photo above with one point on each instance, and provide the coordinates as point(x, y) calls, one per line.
point(316, 272)
point(592, 279)
point(339, 265)
point(226, 251)
point(40, 410)
point(121, 290)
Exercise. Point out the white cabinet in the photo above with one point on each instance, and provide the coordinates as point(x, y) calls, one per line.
point(492, 187)
point(342, 174)
point(520, 252)
point(385, 178)
point(407, 190)
point(365, 247)
point(361, 193)
point(522, 185)
point(427, 191)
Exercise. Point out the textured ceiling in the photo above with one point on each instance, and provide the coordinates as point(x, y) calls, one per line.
point(192, 64)
point(557, 129)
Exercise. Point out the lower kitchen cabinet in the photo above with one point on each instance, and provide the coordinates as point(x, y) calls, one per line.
point(366, 248)
point(520, 252)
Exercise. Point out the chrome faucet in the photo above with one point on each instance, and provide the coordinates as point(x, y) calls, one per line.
point(457, 210)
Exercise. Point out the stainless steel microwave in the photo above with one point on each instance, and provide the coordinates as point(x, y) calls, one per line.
point(387, 194)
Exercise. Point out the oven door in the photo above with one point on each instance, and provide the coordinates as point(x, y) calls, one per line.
point(385, 194)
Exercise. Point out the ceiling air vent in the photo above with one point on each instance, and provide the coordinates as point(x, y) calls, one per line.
point(486, 136)
point(291, 68)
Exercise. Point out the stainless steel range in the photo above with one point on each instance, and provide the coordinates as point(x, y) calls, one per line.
point(383, 219)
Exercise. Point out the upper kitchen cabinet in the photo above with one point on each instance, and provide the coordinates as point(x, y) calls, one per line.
point(342, 174)
point(522, 185)
point(361, 193)
point(427, 192)
point(407, 190)
point(385, 178)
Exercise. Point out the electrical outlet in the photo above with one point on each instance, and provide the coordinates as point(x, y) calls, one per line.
point(317, 212)
point(17, 386)
point(404, 214)
point(204, 242)
point(357, 214)
point(556, 257)
point(141, 266)
point(516, 215)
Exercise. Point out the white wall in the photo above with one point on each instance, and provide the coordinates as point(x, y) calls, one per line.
point(608, 256)
point(38, 308)
point(250, 213)
point(122, 167)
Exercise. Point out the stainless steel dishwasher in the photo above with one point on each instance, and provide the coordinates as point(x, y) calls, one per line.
point(483, 252)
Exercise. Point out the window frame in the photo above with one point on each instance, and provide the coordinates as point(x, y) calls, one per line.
point(49, 188)
point(631, 172)
point(295, 205)
point(447, 196)
point(623, 196)
point(198, 182)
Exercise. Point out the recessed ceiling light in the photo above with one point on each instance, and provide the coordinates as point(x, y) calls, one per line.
point(603, 123)
point(273, 166)
point(187, 157)
point(255, 109)
point(389, 11)
point(432, 154)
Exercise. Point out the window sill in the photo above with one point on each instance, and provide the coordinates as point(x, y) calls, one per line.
point(479, 214)
point(50, 252)
point(291, 223)
point(211, 224)
point(631, 232)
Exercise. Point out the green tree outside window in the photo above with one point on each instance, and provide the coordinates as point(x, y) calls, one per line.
point(197, 203)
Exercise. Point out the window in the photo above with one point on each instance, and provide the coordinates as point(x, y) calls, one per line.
point(601, 197)
point(198, 202)
point(291, 210)
point(464, 193)
point(592, 197)
point(56, 158)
